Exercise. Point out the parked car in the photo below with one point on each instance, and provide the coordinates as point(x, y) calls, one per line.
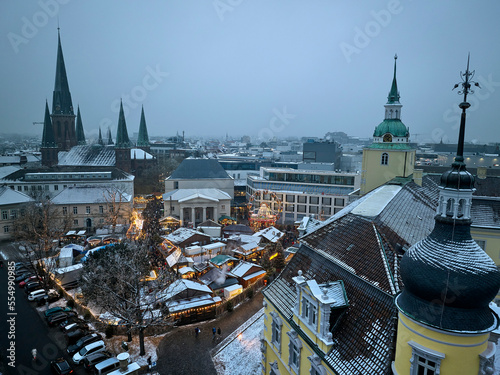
point(59, 317)
point(23, 275)
point(76, 325)
point(55, 310)
point(29, 279)
point(73, 336)
point(71, 320)
point(94, 347)
point(32, 286)
point(93, 337)
point(61, 367)
point(36, 293)
point(49, 297)
point(90, 361)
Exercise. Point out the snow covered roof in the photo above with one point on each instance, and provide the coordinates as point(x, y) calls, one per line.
point(139, 154)
point(66, 252)
point(88, 155)
point(377, 201)
point(242, 269)
point(271, 234)
point(183, 195)
point(181, 285)
point(253, 275)
point(215, 245)
point(173, 258)
point(90, 194)
point(199, 301)
point(182, 234)
point(185, 270)
point(221, 259)
point(7, 170)
point(9, 196)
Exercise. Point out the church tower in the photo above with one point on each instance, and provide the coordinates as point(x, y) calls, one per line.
point(444, 319)
point(80, 134)
point(63, 116)
point(390, 154)
point(122, 145)
point(49, 148)
point(143, 138)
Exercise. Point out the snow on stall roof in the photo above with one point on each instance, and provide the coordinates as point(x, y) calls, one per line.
point(182, 234)
point(185, 270)
point(63, 270)
point(242, 268)
point(255, 274)
point(377, 201)
point(173, 258)
point(271, 233)
point(214, 245)
point(179, 286)
point(180, 305)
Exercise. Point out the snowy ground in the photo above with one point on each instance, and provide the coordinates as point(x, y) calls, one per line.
point(242, 343)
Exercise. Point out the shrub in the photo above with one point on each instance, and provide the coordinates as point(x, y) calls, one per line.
point(230, 306)
point(87, 315)
point(71, 303)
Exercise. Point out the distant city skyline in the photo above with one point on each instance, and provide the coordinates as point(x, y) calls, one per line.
point(261, 68)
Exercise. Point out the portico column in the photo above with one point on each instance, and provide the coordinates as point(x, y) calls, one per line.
point(204, 213)
point(216, 217)
point(193, 217)
point(181, 215)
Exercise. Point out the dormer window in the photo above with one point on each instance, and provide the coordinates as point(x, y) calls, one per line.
point(309, 312)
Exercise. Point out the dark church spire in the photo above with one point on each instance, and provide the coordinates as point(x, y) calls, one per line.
point(110, 137)
point(61, 100)
point(80, 134)
point(122, 140)
point(48, 139)
point(143, 139)
point(394, 93)
point(99, 140)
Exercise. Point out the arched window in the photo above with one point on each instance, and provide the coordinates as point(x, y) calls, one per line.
point(450, 206)
point(384, 159)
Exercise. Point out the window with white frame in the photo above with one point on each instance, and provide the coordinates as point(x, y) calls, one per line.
point(65, 210)
point(294, 347)
point(316, 367)
point(384, 160)
point(424, 361)
point(276, 326)
point(6, 229)
point(75, 210)
point(87, 210)
point(5, 214)
point(13, 214)
point(309, 312)
point(274, 368)
point(101, 209)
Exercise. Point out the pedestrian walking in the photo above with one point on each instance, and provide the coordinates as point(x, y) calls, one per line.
point(219, 332)
point(214, 331)
point(196, 331)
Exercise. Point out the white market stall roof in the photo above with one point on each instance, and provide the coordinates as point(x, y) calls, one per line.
point(181, 305)
point(185, 270)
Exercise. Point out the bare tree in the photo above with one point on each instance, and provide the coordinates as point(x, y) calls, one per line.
point(117, 280)
point(118, 207)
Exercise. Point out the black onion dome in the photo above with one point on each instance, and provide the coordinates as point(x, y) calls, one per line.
point(449, 280)
point(458, 177)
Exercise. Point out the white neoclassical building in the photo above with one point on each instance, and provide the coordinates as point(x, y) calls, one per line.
point(197, 205)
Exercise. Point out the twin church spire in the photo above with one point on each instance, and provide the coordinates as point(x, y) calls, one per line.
point(60, 131)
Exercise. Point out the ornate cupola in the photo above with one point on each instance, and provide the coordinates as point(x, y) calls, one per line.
point(392, 129)
point(449, 282)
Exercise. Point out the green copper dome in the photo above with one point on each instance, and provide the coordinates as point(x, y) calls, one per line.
point(393, 126)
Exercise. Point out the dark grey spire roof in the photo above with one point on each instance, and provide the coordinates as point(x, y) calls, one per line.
point(80, 134)
point(61, 100)
point(199, 169)
point(48, 139)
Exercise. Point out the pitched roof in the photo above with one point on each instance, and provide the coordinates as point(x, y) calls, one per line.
point(9, 196)
point(182, 195)
point(182, 234)
point(90, 194)
point(199, 169)
point(363, 340)
point(485, 213)
point(88, 155)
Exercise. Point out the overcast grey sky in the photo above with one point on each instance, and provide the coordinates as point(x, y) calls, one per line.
point(258, 67)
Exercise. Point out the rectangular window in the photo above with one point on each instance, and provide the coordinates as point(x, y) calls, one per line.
point(75, 210)
point(65, 210)
point(13, 214)
point(301, 208)
point(5, 214)
point(313, 200)
point(75, 222)
point(339, 202)
point(313, 209)
point(276, 325)
point(290, 198)
point(87, 210)
point(25, 188)
point(19, 188)
point(223, 207)
point(326, 201)
point(309, 312)
point(56, 187)
point(101, 209)
point(6, 229)
point(289, 208)
point(327, 211)
point(101, 221)
point(302, 199)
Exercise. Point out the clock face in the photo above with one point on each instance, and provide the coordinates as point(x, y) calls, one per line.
point(387, 138)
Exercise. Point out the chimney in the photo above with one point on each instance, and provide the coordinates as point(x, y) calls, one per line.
point(417, 176)
point(123, 358)
point(481, 172)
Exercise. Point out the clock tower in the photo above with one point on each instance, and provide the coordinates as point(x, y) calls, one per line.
point(390, 154)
